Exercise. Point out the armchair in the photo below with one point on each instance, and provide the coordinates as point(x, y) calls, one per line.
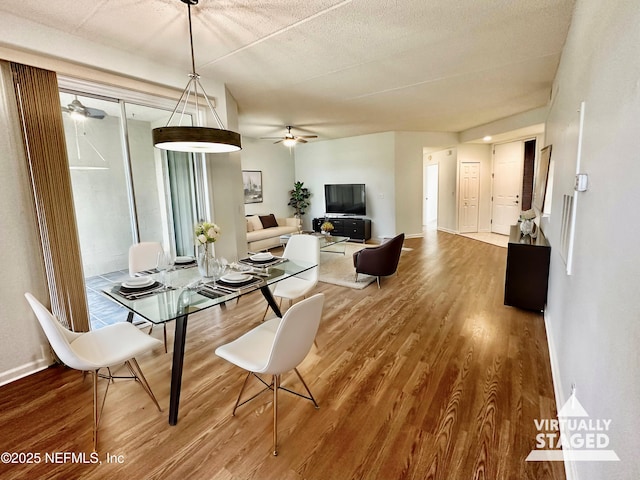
point(379, 261)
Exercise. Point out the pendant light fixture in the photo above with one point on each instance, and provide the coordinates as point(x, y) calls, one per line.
point(195, 139)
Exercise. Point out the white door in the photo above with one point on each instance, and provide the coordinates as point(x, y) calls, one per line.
point(508, 161)
point(431, 194)
point(469, 193)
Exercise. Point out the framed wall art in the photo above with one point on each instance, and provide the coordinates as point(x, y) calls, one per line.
point(252, 181)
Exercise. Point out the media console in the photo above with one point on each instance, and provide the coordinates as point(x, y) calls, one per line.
point(355, 228)
point(527, 274)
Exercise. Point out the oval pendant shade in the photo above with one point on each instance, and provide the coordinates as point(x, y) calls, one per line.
point(196, 139)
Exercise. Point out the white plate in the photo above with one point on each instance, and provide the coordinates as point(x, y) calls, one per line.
point(261, 257)
point(235, 277)
point(138, 282)
point(184, 259)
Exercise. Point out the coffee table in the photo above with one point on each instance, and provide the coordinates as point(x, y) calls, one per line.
point(328, 243)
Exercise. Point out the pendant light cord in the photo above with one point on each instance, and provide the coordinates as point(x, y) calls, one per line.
point(193, 58)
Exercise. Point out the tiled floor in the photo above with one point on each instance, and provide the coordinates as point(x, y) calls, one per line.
point(102, 310)
point(487, 237)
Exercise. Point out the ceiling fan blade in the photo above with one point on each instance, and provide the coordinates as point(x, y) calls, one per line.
point(95, 113)
point(270, 138)
point(278, 141)
point(307, 136)
point(300, 140)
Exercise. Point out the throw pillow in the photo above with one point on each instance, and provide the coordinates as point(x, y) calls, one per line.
point(255, 222)
point(268, 221)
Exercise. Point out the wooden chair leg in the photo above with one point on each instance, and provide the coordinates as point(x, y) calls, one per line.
point(276, 387)
point(94, 376)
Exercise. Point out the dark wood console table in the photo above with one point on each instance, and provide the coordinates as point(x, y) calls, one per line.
point(527, 274)
point(353, 227)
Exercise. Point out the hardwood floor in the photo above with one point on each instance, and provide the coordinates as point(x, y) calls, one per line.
point(430, 377)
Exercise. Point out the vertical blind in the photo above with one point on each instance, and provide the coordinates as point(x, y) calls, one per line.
point(46, 154)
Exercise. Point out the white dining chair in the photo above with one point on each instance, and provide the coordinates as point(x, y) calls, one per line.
point(275, 347)
point(93, 351)
point(143, 256)
point(305, 248)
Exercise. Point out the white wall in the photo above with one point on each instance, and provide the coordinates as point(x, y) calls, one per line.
point(409, 191)
point(23, 347)
point(593, 315)
point(368, 159)
point(226, 192)
point(390, 164)
point(276, 162)
point(447, 161)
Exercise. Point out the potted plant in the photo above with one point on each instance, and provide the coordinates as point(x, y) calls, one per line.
point(326, 227)
point(299, 198)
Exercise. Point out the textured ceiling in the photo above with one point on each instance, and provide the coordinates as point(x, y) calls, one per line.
point(341, 68)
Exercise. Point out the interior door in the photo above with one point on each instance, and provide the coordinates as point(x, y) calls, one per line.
point(431, 194)
point(469, 197)
point(508, 161)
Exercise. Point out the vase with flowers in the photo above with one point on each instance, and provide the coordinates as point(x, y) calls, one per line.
point(527, 225)
point(206, 233)
point(326, 228)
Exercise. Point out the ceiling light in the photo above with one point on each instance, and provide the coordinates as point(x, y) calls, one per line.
point(289, 142)
point(195, 139)
point(487, 138)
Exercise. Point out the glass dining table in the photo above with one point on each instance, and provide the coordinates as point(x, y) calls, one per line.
point(187, 296)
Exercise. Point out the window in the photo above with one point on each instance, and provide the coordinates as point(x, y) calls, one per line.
point(124, 189)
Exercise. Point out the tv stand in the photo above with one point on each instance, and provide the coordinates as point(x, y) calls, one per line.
point(356, 228)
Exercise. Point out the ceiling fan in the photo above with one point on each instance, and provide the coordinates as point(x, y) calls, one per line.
point(78, 110)
point(289, 139)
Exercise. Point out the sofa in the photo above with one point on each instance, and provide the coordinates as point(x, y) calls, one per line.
point(263, 231)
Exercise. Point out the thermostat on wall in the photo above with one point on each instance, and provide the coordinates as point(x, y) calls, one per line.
point(582, 180)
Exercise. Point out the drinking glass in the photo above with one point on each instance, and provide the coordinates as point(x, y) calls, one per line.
point(164, 263)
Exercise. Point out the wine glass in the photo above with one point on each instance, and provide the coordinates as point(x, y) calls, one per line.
point(218, 269)
point(163, 264)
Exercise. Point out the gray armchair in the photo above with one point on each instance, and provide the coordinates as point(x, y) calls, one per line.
point(379, 261)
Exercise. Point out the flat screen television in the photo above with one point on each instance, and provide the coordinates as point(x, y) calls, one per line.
point(345, 199)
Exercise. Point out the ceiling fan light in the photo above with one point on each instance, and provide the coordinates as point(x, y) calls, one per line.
point(289, 142)
point(77, 115)
point(196, 139)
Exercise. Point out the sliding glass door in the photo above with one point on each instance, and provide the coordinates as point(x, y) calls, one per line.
point(99, 180)
point(125, 190)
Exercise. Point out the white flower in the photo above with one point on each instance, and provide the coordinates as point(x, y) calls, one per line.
point(206, 232)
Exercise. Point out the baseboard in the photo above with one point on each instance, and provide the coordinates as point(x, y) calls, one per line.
point(23, 371)
point(447, 230)
point(558, 389)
